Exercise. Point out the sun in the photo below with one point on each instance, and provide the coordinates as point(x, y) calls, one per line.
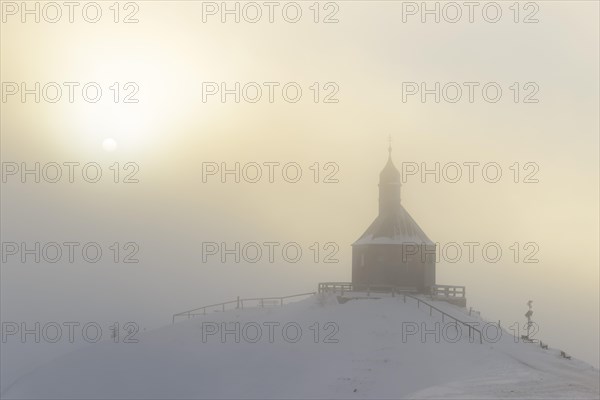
point(109, 144)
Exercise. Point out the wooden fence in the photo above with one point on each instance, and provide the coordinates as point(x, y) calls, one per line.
point(343, 287)
point(448, 291)
point(453, 291)
point(239, 304)
point(334, 287)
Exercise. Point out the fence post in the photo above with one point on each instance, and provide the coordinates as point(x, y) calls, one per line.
point(223, 307)
point(405, 298)
point(369, 291)
point(238, 302)
point(470, 309)
point(281, 299)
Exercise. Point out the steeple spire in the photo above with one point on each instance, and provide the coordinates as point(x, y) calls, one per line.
point(389, 186)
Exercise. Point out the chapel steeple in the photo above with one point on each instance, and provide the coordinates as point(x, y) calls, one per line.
point(389, 186)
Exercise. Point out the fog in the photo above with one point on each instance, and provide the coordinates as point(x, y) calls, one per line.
point(177, 134)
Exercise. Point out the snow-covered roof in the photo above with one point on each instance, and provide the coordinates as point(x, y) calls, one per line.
point(396, 228)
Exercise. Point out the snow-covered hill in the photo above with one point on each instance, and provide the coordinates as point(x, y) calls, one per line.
point(315, 348)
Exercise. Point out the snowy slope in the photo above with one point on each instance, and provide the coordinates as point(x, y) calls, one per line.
point(369, 360)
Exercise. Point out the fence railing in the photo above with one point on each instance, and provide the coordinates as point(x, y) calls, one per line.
point(326, 287)
point(342, 287)
point(239, 304)
point(448, 291)
point(472, 329)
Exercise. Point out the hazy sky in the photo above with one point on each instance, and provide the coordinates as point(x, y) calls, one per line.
point(364, 59)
